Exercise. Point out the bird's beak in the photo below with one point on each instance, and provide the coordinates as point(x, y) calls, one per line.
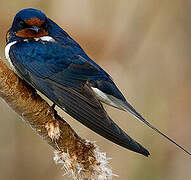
point(35, 29)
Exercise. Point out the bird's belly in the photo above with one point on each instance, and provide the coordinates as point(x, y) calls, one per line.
point(107, 99)
point(7, 49)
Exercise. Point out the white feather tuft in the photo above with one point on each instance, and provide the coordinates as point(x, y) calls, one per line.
point(100, 170)
point(7, 49)
point(45, 38)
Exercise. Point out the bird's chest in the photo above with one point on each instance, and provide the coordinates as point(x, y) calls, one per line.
point(7, 50)
point(26, 49)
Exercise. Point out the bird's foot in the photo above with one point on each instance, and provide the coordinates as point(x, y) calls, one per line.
point(53, 109)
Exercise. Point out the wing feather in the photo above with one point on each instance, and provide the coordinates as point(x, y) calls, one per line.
point(84, 107)
point(62, 78)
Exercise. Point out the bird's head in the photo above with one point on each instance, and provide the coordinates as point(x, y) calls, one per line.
point(29, 23)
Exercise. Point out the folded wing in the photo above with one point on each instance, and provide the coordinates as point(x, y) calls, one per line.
point(64, 81)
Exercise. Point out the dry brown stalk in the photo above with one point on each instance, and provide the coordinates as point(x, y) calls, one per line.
point(80, 158)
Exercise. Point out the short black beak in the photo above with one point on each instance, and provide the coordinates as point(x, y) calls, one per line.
point(35, 29)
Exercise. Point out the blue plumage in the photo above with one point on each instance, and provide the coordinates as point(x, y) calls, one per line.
point(28, 13)
point(46, 57)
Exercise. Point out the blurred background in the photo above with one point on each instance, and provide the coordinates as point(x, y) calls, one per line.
point(145, 46)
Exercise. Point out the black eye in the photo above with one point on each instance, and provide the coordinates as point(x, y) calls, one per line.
point(22, 24)
point(44, 26)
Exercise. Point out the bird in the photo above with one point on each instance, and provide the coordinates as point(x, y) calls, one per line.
point(49, 60)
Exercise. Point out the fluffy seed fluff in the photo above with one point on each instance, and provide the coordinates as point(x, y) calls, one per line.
point(53, 130)
point(100, 170)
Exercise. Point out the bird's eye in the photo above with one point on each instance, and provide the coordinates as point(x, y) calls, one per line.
point(44, 26)
point(22, 24)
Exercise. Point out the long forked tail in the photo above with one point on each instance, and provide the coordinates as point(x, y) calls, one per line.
point(131, 110)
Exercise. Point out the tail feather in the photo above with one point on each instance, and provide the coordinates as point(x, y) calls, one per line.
point(132, 111)
point(125, 106)
point(85, 108)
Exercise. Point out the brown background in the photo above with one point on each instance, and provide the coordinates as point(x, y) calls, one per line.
point(145, 46)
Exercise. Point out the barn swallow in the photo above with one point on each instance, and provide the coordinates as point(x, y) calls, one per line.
point(48, 59)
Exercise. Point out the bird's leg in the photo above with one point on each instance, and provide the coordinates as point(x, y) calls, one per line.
point(53, 106)
point(53, 109)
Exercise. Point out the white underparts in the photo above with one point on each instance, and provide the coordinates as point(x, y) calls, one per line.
point(8, 46)
point(108, 99)
point(45, 38)
point(7, 49)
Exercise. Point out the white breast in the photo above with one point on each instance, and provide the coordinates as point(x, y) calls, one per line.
point(45, 38)
point(7, 49)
